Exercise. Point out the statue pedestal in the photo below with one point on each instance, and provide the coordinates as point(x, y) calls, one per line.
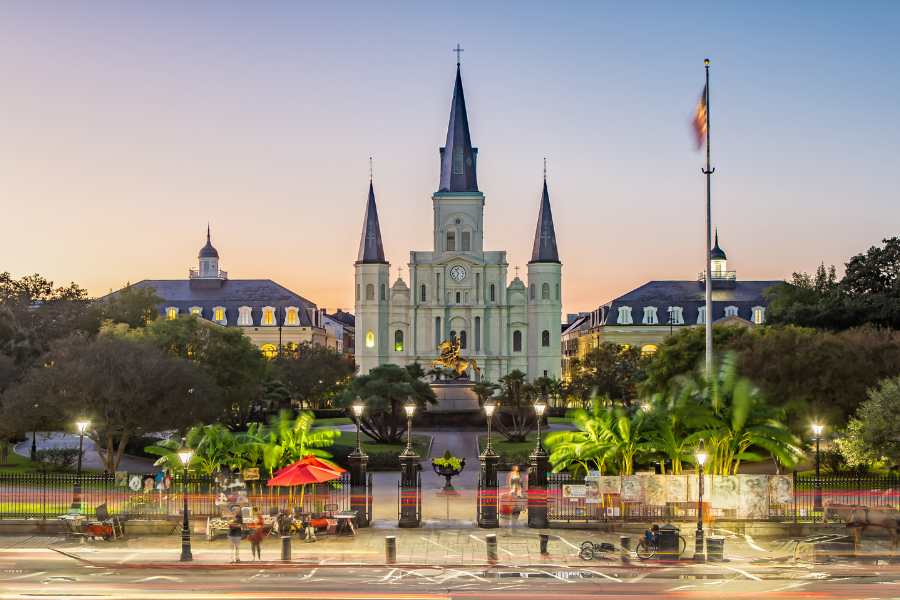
point(454, 397)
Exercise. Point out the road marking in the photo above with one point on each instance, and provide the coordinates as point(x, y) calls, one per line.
point(389, 575)
point(431, 541)
point(567, 542)
point(744, 573)
point(681, 587)
point(790, 586)
point(467, 573)
point(26, 576)
point(478, 539)
point(616, 579)
point(554, 575)
point(308, 575)
point(752, 544)
point(639, 578)
point(159, 578)
point(128, 557)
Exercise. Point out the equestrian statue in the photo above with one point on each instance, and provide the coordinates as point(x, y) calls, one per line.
point(452, 361)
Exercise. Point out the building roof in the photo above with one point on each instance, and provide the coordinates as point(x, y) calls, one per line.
point(461, 176)
point(371, 250)
point(344, 317)
point(582, 322)
point(208, 251)
point(232, 294)
point(690, 296)
point(544, 249)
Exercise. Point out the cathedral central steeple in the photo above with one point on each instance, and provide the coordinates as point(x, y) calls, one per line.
point(458, 157)
point(371, 250)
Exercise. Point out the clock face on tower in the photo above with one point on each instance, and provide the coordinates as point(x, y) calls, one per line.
point(457, 272)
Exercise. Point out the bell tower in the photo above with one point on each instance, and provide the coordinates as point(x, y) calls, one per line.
point(372, 304)
point(544, 296)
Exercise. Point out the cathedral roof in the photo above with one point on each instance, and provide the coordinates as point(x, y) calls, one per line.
point(545, 235)
point(717, 253)
point(458, 157)
point(371, 250)
point(208, 251)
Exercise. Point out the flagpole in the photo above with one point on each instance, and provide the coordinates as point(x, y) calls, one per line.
point(708, 171)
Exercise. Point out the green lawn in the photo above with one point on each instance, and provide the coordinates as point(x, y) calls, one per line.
point(382, 457)
point(17, 464)
point(511, 452)
point(333, 422)
point(559, 420)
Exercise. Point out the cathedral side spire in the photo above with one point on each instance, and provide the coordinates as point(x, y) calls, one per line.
point(545, 234)
point(458, 157)
point(371, 250)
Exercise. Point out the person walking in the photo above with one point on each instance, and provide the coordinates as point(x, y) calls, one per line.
point(256, 537)
point(235, 534)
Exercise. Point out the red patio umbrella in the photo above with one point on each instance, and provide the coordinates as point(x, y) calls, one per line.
point(314, 461)
point(302, 474)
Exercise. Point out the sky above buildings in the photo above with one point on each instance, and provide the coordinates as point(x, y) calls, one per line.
point(127, 126)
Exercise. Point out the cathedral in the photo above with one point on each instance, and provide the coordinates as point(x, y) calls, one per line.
point(459, 291)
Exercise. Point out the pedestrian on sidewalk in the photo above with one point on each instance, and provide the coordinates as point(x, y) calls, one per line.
point(235, 534)
point(256, 537)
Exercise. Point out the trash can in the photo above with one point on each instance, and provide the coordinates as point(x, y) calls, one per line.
point(669, 541)
point(715, 548)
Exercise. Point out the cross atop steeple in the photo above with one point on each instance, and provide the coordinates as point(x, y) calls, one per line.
point(517, 271)
point(545, 168)
point(371, 170)
point(458, 51)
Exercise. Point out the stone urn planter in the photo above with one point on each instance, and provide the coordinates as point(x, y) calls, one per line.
point(448, 467)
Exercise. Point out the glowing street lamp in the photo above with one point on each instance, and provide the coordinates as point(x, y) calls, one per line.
point(410, 408)
point(700, 456)
point(489, 408)
point(184, 455)
point(539, 407)
point(82, 427)
point(818, 428)
point(358, 408)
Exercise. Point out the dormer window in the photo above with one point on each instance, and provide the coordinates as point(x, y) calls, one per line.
point(701, 315)
point(172, 313)
point(219, 314)
point(196, 311)
point(759, 314)
point(731, 311)
point(650, 317)
point(676, 315)
point(245, 316)
point(268, 316)
point(624, 317)
point(451, 241)
point(291, 316)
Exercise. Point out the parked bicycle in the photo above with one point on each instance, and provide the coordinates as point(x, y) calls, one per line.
point(590, 550)
point(647, 549)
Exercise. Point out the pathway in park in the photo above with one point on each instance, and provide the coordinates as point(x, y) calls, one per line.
point(91, 460)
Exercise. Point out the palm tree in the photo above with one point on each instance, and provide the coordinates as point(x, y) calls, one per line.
point(515, 416)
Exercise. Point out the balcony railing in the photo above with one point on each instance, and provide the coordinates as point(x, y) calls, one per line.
point(195, 274)
point(718, 276)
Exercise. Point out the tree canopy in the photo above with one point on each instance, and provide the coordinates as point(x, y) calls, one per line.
point(314, 374)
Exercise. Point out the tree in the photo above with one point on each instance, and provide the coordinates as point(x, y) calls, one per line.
point(288, 439)
point(515, 417)
point(385, 390)
point(134, 306)
point(314, 374)
point(610, 370)
point(485, 390)
point(227, 356)
point(126, 388)
point(879, 417)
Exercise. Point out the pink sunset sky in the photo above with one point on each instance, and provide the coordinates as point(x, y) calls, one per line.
point(127, 127)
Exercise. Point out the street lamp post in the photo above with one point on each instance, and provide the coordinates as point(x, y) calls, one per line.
point(359, 489)
point(184, 455)
point(538, 465)
point(817, 502)
point(33, 455)
point(699, 553)
point(358, 408)
point(539, 407)
point(409, 476)
point(76, 490)
point(488, 486)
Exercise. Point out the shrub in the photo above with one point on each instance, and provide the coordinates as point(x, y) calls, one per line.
point(57, 459)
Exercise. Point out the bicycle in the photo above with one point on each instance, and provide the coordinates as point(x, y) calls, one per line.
point(645, 550)
point(589, 550)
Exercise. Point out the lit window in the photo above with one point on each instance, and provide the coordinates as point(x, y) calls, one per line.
point(196, 311)
point(172, 313)
point(650, 317)
point(676, 315)
point(731, 311)
point(517, 341)
point(370, 339)
point(370, 291)
point(219, 314)
point(245, 316)
point(624, 316)
point(545, 339)
point(648, 349)
point(268, 315)
point(545, 291)
point(466, 241)
point(451, 241)
point(458, 161)
point(701, 315)
point(291, 316)
point(759, 314)
point(269, 351)
point(398, 341)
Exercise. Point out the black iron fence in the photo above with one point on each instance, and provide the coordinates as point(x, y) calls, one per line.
point(48, 495)
point(811, 495)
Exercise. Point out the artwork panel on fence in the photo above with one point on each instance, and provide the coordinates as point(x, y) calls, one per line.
point(654, 489)
point(781, 489)
point(725, 492)
point(592, 490)
point(632, 490)
point(610, 484)
point(754, 497)
point(676, 488)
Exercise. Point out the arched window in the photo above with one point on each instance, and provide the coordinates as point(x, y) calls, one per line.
point(422, 294)
point(452, 334)
point(493, 293)
point(465, 241)
point(759, 314)
point(517, 341)
point(370, 291)
point(245, 316)
point(650, 316)
point(477, 334)
point(676, 315)
point(545, 291)
point(624, 317)
point(370, 339)
point(291, 316)
point(219, 314)
point(701, 315)
point(457, 297)
point(172, 313)
point(648, 349)
point(463, 339)
point(437, 332)
point(451, 241)
point(268, 315)
point(531, 291)
point(196, 311)
point(557, 291)
point(398, 340)
point(383, 293)
point(731, 311)
point(545, 339)
point(269, 351)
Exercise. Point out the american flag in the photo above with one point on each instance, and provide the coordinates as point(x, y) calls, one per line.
point(700, 121)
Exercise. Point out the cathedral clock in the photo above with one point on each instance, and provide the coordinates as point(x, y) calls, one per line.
point(457, 272)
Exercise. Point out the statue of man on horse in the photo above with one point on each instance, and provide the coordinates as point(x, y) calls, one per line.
point(451, 360)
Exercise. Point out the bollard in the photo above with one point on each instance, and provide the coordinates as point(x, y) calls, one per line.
point(491, 540)
point(625, 543)
point(390, 549)
point(544, 541)
point(285, 547)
